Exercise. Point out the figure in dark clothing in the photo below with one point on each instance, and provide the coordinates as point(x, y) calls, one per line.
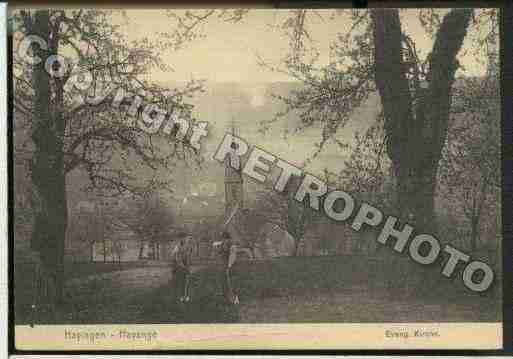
point(181, 258)
point(228, 255)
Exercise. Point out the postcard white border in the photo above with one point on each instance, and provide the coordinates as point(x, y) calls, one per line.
point(364, 336)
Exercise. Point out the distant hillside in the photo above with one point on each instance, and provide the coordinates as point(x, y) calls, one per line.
point(247, 105)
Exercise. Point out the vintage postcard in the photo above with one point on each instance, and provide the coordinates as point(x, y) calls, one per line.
point(256, 178)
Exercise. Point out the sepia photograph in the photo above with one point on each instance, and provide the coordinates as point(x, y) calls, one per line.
point(256, 178)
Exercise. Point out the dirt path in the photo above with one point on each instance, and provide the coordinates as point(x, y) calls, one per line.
point(126, 296)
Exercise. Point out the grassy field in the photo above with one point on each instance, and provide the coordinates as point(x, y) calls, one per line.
point(307, 275)
point(302, 289)
point(345, 289)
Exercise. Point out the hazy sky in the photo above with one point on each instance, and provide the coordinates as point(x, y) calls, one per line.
point(228, 54)
point(229, 51)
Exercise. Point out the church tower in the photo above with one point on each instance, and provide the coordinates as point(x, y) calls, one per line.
point(233, 183)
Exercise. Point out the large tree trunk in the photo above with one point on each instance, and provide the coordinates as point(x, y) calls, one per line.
point(48, 175)
point(415, 126)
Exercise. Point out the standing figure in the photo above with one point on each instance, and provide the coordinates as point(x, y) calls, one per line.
point(181, 258)
point(228, 255)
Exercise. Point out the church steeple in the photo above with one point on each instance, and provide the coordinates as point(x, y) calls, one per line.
point(233, 183)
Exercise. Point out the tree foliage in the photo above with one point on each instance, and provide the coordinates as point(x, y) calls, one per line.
point(90, 114)
point(366, 171)
point(470, 166)
point(107, 141)
point(378, 55)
